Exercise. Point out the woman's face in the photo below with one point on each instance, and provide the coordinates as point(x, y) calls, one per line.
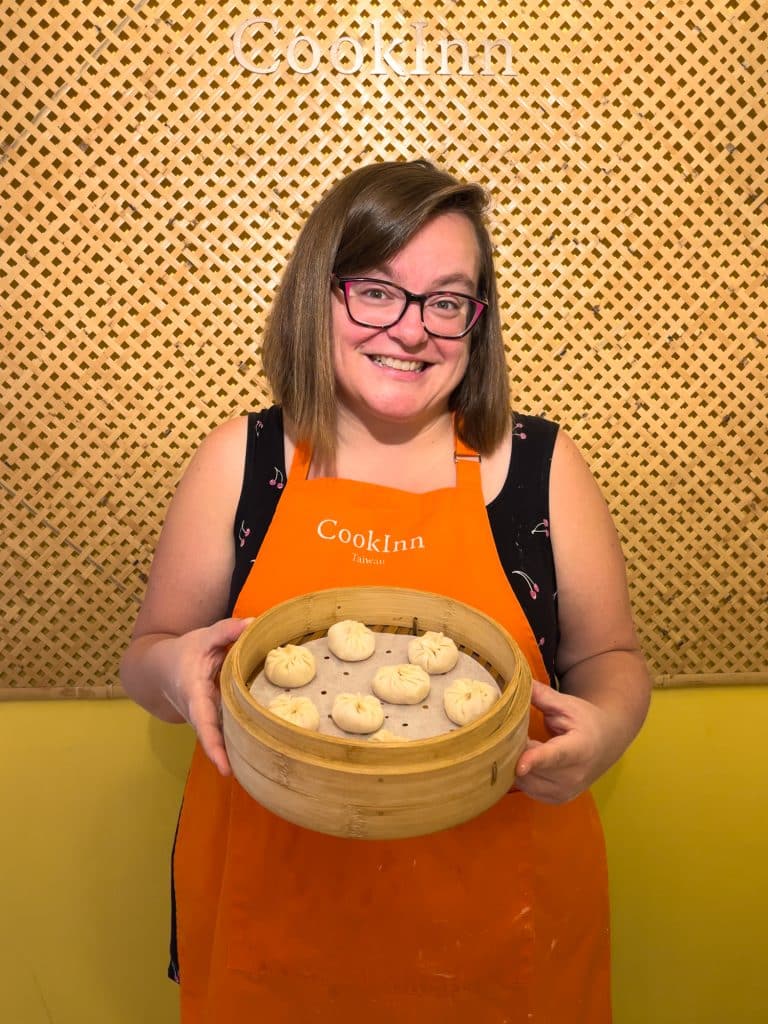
point(403, 374)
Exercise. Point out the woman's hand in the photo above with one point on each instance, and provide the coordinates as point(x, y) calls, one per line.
point(580, 750)
point(193, 690)
point(176, 678)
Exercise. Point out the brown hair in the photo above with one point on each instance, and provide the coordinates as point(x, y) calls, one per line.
point(362, 222)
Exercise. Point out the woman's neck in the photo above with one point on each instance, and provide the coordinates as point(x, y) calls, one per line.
point(396, 454)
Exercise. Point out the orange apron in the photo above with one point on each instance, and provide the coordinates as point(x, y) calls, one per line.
point(501, 920)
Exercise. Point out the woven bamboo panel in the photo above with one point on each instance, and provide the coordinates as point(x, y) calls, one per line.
point(156, 162)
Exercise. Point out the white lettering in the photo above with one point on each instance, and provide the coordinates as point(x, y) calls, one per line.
point(380, 53)
point(358, 58)
point(364, 560)
point(237, 46)
point(421, 67)
point(300, 40)
point(373, 545)
point(489, 45)
point(321, 524)
point(328, 529)
point(257, 48)
point(445, 45)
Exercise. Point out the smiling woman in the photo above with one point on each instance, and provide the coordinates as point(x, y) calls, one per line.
point(415, 228)
point(402, 372)
point(405, 467)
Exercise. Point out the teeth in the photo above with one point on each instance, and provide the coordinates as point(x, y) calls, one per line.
point(398, 364)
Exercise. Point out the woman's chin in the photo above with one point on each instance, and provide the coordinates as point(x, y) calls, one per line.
point(397, 413)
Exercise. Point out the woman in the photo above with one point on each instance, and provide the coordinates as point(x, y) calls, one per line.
point(384, 351)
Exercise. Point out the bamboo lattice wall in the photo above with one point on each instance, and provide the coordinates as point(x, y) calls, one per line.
point(157, 159)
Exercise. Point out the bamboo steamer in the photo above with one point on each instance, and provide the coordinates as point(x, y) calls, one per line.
point(356, 789)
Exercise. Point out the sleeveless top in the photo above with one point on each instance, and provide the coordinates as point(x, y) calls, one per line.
point(518, 516)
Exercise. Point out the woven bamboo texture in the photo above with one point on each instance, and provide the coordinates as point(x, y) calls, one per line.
point(156, 162)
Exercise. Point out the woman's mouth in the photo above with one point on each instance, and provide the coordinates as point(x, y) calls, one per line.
point(409, 365)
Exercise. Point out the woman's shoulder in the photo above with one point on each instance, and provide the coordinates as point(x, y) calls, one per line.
point(529, 427)
point(232, 437)
point(220, 458)
point(267, 419)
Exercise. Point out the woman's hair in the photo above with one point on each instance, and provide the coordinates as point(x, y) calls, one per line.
point(361, 223)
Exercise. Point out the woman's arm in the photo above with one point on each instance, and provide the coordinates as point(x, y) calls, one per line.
point(180, 638)
point(605, 685)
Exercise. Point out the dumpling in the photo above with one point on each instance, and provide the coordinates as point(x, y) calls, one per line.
point(290, 666)
point(296, 710)
point(357, 712)
point(385, 736)
point(467, 699)
point(434, 652)
point(401, 684)
point(351, 641)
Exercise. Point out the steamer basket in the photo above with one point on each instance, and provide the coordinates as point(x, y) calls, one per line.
point(356, 789)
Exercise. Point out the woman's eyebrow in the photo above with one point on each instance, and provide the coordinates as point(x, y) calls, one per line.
point(458, 279)
point(455, 279)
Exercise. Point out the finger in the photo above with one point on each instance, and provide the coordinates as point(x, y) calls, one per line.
point(204, 716)
point(532, 743)
point(546, 698)
point(213, 746)
point(544, 790)
point(546, 760)
point(226, 631)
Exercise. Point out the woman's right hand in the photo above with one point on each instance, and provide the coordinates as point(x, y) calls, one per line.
point(190, 682)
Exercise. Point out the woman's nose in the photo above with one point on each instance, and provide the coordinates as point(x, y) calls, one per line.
point(409, 330)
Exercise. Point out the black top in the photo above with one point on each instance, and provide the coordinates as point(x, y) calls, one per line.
point(518, 515)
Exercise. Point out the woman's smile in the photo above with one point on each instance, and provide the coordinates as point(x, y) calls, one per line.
point(407, 374)
point(405, 365)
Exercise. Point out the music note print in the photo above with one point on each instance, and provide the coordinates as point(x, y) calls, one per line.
point(533, 588)
point(517, 431)
point(542, 527)
point(243, 533)
point(278, 480)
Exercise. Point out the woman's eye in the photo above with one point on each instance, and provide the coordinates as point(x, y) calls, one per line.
point(376, 293)
point(446, 303)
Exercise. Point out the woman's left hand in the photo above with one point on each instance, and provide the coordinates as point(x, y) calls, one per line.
point(579, 751)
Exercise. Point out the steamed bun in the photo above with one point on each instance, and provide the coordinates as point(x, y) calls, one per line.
point(401, 684)
point(434, 652)
point(357, 712)
point(351, 640)
point(384, 736)
point(289, 666)
point(296, 710)
point(467, 699)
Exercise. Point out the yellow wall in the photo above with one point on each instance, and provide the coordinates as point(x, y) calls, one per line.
point(89, 794)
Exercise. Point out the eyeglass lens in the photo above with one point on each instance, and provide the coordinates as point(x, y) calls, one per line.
point(379, 304)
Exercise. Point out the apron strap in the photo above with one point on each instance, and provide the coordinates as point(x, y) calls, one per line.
point(302, 457)
point(467, 464)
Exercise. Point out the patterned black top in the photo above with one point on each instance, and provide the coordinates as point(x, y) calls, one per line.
point(519, 516)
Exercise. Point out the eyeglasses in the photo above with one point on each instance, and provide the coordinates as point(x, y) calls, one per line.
point(374, 303)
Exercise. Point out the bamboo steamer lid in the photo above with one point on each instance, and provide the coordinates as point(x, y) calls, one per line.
point(356, 789)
